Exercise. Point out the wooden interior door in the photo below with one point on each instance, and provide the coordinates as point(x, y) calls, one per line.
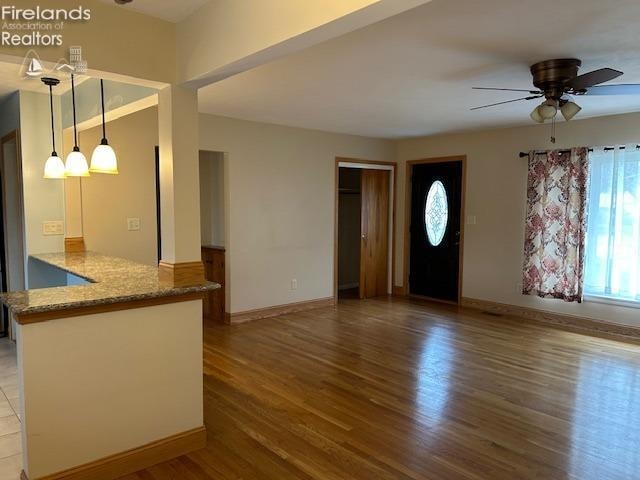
point(374, 233)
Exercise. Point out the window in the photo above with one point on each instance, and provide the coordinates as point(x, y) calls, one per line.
point(612, 255)
point(436, 213)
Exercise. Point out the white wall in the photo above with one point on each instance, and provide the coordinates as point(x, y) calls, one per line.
point(108, 200)
point(43, 198)
point(496, 195)
point(280, 226)
point(212, 198)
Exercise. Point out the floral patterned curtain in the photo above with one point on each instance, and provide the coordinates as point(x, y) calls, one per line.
point(556, 224)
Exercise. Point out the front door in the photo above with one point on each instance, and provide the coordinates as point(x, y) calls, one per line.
point(434, 255)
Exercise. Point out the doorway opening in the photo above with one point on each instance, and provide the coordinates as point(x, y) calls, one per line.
point(434, 228)
point(12, 248)
point(364, 225)
point(214, 231)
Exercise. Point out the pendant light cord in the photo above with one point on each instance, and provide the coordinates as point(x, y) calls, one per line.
point(53, 132)
point(104, 128)
point(73, 100)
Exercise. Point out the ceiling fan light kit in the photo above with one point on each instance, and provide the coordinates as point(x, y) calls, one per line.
point(535, 115)
point(556, 79)
point(570, 110)
point(548, 109)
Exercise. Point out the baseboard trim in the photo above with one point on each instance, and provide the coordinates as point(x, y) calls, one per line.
point(125, 463)
point(398, 291)
point(566, 321)
point(181, 274)
point(260, 313)
point(74, 244)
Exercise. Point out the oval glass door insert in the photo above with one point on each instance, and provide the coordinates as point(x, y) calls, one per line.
point(436, 213)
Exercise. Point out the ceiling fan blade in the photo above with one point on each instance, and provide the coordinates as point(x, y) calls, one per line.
point(622, 89)
point(590, 79)
point(508, 101)
point(507, 89)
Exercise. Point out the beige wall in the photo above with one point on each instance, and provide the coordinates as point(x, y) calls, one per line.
point(281, 206)
point(43, 198)
point(212, 198)
point(113, 381)
point(279, 196)
point(496, 195)
point(108, 200)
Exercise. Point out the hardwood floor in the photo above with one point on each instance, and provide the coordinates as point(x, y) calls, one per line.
point(393, 389)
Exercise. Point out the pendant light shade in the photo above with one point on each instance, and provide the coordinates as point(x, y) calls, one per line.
point(104, 158)
point(76, 163)
point(54, 166)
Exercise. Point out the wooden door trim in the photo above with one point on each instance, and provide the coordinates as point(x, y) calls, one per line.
point(407, 217)
point(363, 162)
point(13, 135)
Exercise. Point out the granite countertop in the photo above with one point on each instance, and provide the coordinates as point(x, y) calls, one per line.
point(112, 280)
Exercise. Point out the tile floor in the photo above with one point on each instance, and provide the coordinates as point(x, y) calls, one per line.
point(10, 443)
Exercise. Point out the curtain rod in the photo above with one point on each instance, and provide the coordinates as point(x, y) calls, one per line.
point(606, 149)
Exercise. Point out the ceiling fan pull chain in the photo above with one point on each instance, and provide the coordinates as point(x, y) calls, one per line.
point(553, 130)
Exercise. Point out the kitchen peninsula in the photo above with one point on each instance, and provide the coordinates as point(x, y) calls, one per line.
point(109, 367)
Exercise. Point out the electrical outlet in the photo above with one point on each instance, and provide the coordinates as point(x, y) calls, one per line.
point(53, 227)
point(471, 220)
point(294, 284)
point(133, 224)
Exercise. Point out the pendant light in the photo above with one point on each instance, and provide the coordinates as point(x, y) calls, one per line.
point(104, 158)
point(76, 164)
point(54, 166)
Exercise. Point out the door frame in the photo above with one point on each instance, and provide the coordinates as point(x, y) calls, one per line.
point(15, 136)
point(407, 221)
point(392, 167)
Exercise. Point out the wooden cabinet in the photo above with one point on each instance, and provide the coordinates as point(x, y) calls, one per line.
point(213, 260)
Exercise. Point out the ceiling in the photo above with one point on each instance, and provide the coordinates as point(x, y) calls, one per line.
point(12, 79)
point(412, 74)
point(170, 10)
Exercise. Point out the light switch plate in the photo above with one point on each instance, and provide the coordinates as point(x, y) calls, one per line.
point(471, 220)
point(133, 224)
point(53, 227)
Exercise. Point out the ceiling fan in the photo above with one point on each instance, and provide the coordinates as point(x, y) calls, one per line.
point(556, 80)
